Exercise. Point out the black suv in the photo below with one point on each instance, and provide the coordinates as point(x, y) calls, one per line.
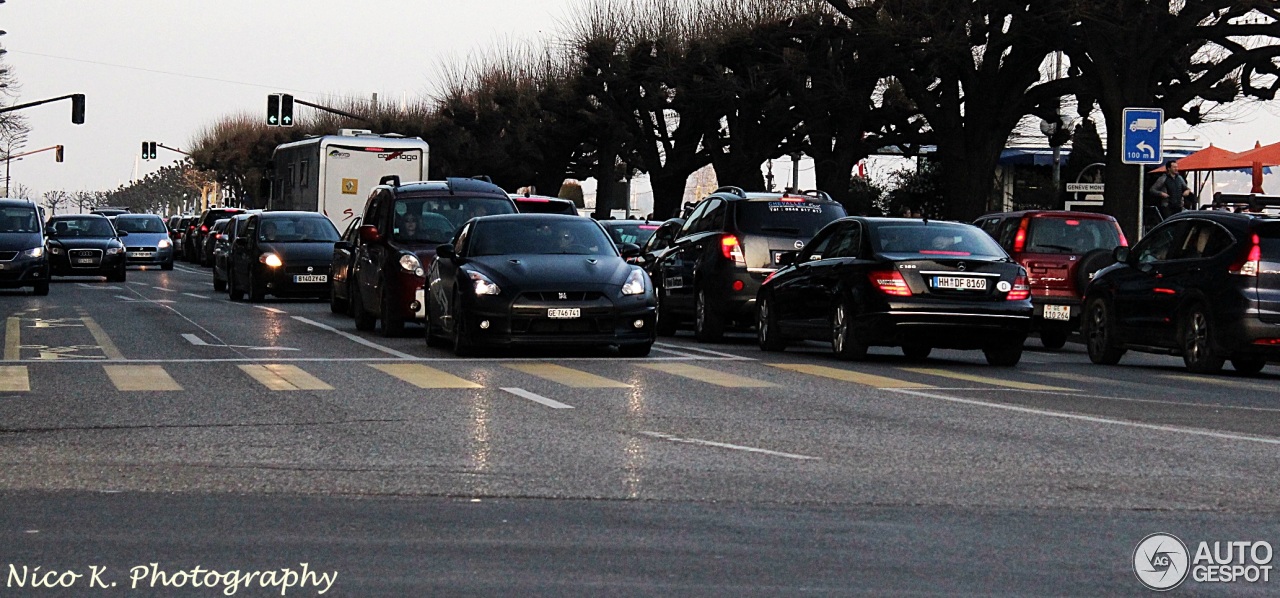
point(728, 245)
point(1204, 285)
point(399, 231)
point(196, 247)
point(23, 261)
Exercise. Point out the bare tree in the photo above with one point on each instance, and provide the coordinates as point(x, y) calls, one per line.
point(55, 200)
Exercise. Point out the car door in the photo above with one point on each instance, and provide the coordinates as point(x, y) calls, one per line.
point(366, 259)
point(1145, 299)
point(241, 251)
point(679, 261)
point(442, 279)
point(342, 254)
point(793, 292)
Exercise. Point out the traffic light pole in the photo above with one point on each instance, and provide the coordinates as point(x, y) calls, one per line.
point(11, 157)
point(332, 110)
point(77, 106)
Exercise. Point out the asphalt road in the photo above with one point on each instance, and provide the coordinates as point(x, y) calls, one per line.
point(154, 421)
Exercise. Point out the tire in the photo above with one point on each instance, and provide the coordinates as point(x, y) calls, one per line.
point(336, 305)
point(636, 350)
point(1198, 350)
point(169, 266)
point(708, 325)
point(219, 285)
point(256, 293)
point(1100, 333)
point(1053, 339)
point(917, 352)
point(1003, 356)
point(233, 291)
point(767, 333)
point(843, 341)
point(433, 340)
point(392, 326)
point(665, 324)
point(1248, 365)
point(1090, 263)
point(41, 289)
point(365, 321)
point(461, 344)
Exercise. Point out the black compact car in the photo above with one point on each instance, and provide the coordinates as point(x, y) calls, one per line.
point(538, 280)
point(1203, 284)
point(399, 231)
point(630, 232)
point(725, 249)
point(85, 245)
point(201, 249)
point(284, 254)
point(222, 250)
point(541, 204)
point(907, 283)
point(23, 258)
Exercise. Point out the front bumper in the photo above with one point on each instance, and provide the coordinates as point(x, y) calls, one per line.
point(20, 272)
point(100, 264)
point(526, 322)
point(144, 256)
point(305, 280)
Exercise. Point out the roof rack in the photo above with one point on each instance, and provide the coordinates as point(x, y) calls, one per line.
point(391, 179)
point(818, 194)
point(731, 189)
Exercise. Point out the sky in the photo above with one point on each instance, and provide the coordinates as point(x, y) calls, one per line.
point(163, 70)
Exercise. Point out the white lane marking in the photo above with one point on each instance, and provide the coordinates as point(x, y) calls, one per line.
point(99, 287)
point(139, 283)
point(195, 340)
point(196, 296)
point(354, 338)
point(270, 309)
point(524, 394)
point(707, 351)
point(199, 342)
point(725, 445)
point(165, 290)
point(187, 270)
point(1089, 418)
point(680, 353)
point(134, 299)
point(125, 298)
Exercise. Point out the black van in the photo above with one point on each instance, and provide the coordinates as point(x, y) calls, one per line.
point(23, 262)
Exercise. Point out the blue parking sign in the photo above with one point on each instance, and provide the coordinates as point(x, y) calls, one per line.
point(1142, 138)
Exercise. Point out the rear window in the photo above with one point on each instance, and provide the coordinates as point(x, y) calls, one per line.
point(786, 218)
point(933, 239)
point(635, 233)
point(545, 206)
point(1071, 235)
point(216, 215)
point(1269, 237)
point(140, 224)
point(297, 229)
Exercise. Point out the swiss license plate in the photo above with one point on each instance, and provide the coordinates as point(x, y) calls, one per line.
point(141, 254)
point(1057, 312)
point(962, 283)
point(776, 255)
point(564, 313)
point(84, 260)
point(311, 278)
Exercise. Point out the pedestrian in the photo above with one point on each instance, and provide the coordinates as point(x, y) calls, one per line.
point(1171, 190)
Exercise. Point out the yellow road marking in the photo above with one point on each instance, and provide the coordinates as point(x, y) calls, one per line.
point(14, 378)
point(12, 339)
point(984, 379)
point(425, 377)
point(850, 376)
point(708, 375)
point(284, 377)
point(567, 376)
point(140, 377)
point(1220, 382)
point(100, 336)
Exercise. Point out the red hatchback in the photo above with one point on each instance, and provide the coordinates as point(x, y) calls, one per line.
point(1061, 252)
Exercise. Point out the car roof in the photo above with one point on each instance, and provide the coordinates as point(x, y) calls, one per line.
point(15, 202)
point(1051, 213)
point(523, 216)
point(287, 214)
point(449, 186)
point(70, 216)
point(737, 194)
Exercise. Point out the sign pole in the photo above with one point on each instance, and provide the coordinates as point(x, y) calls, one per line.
point(1142, 181)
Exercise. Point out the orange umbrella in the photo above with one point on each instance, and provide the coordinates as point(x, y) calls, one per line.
point(1266, 155)
point(1209, 158)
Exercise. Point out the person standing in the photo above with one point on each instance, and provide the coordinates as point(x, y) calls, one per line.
point(1171, 190)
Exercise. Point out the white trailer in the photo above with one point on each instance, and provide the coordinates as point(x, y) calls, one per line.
point(333, 174)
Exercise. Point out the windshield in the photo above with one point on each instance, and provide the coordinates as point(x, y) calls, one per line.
point(934, 239)
point(537, 236)
point(435, 219)
point(1071, 235)
point(140, 224)
point(297, 229)
point(83, 227)
point(635, 233)
point(786, 218)
point(19, 220)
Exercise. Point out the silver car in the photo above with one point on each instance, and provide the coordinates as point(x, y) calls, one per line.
point(148, 243)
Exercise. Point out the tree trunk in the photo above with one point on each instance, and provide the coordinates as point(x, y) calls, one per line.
point(968, 174)
point(731, 169)
point(668, 194)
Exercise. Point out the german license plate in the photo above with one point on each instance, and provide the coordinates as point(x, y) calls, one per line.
point(141, 254)
point(84, 260)
point(311, 278)
point(1057, 312)
point(962, 283)
point(564, 313)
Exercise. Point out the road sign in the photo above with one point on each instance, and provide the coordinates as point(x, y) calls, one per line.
point(1142, 139)
point(1086, 188)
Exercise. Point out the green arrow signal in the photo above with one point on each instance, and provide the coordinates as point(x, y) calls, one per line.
point(287, 120)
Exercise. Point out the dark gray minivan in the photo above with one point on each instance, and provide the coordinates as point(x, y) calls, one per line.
point(23, 262)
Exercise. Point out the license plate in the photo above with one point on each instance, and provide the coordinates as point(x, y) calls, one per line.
point(311, 278)
point(84, 260)
point(1057, 312)
point(673, 282)
point(960, 283)
point(141, 254)
point(564, 313)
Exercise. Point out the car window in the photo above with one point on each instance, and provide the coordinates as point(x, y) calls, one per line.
point(297, 229)
point(1076, 236)
point(1206, 239)
point(817, 248)
point(633, 232)
point(353, 230)
point(19, 220)
point(933, 239)
point(792, 217)
point(692, 223)
point(1161, 243)
point(847, 242)
point(713, 218)
point(539, 237)
point(1008, 231)
point(84, 227)
point(438, 218)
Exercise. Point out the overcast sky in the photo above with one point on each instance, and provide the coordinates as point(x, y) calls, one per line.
point(163, 70)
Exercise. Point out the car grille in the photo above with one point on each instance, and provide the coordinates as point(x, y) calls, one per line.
point(78, 254)
point(554, 327)
point(557, 296)
point(140, 249)
point(7, 255)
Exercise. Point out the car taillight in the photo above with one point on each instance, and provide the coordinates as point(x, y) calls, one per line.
point(890, 283)
point(204, 228)
point(1020, 240)
point(1249, 267)
point(731, 249)
point(1021, 289)
point(219, 236)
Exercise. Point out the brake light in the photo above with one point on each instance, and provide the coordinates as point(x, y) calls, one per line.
point(790, 199)
point(648, 227)
point(1251, 263)
point(890, 283)
point(204, 228)
point(731, 249)
point(373, 149)
point(219, 236)
point(1073, 223)
point(532, 200)
point(1269, 342)
point(1020, 240)
point(1021, 289)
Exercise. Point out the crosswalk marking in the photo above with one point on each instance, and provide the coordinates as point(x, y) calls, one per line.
point(707, 375)
point(104, 342)
point(284, 377)
point(1220, 382)
point(140, 377)
point(12, 339)
point(423, 376)
point(984, 379)
point(14, 378)
point(567, 376)
point(849, 376)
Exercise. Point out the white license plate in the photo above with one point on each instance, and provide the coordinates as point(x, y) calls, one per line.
point(141, 254)
point(960, 282)
point(1057, 312)
point(673, 282)
point(84, 260)
point(564, 313)
point(311, 278)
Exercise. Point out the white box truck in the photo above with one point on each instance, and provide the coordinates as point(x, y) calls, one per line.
point(333, 174)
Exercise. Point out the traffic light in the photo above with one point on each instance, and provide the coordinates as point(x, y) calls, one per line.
point(273, 110)
point(77, 109)
point(145, 154)
point(57, 153)
point(151, 150)
point(286, 110)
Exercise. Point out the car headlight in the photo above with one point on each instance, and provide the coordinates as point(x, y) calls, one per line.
point(271, 259)
point(482, 284)
point(635, 283)
point(164, 244)
point(55, 250)
point(410, 263)
point(33, 252)
point(114, 249)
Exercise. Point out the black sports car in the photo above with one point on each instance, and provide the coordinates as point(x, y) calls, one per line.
point(898, 282)
point(539, 280)
point(85, 245)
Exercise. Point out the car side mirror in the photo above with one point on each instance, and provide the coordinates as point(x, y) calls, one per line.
point(122, 233)
point(1121, 254)
point(342, 246)
point(49, 231)
point(787, 258)
point(446, 252)
point(629, 250)
point(369, 234)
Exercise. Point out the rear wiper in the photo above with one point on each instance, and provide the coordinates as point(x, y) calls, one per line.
point(1062, 247)
point(781, 229)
